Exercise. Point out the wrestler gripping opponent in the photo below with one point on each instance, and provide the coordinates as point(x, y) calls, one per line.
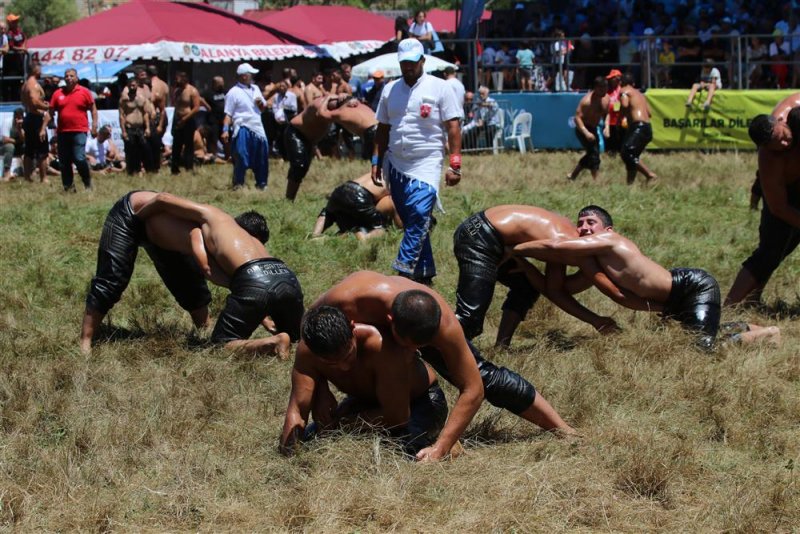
point(387, 384)
point(639, 133)
point(302, 133)
point(356, 118)
point(779, 178)
point(592, 109)
point(691, 296)
point(358, 206)
point(183, 239)
point(419, 318)
point(479, 246)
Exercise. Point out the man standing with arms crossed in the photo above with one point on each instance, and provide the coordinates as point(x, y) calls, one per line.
point(35, 124)
point(71, 103)
point(250, 148)
point(416, 114)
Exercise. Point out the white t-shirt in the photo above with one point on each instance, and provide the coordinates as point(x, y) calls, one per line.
point(458, 89)
point(240, 106)
point(785, 49)
point(283, 103)
point(715, 76)
point(5, 125)
point(97, 150)
point(417, 134)
point(416, 30)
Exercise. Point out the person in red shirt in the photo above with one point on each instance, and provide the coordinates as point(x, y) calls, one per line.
point(71, 104)
point(613, 128)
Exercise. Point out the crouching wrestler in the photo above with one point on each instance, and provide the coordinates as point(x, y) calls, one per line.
point(387, 385)
point(358, 206)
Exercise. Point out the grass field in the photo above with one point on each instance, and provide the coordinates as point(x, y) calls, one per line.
point(157, 432)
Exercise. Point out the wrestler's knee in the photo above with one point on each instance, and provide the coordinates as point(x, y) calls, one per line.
point(506, 389)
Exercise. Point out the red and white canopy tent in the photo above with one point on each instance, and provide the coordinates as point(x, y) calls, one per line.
point(166, 31)
point(342, 31)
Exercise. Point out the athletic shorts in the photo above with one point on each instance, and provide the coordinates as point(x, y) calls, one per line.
point(694, 301)
point(479, 248)
point(638, 136)
point(298, 151)
point(776, 240)
point(368, 142)
point(260, 288)
point(122, 235)
point(35, 148)
point(352, 207)
point(591, 160)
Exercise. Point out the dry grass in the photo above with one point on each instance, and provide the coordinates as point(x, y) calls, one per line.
point(156, 432)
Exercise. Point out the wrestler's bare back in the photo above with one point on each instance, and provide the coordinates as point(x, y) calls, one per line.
point(310, 123)
point(355, 118)
point(378, 191)
point(520, 224)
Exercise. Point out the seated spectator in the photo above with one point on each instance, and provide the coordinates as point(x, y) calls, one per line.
point(13, 139)
point(779, 53)
point(53, 164)
point(710, 80)
point(202, 155)
point(102, 154)
point(422, 31)
point(400, 29)
point(479, 132)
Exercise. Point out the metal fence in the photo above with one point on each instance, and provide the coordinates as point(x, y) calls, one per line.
point(570, 63)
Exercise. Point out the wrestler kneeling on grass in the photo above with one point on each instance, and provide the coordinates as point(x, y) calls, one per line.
point(387, 385)
point(690, 296)
point(358, 206)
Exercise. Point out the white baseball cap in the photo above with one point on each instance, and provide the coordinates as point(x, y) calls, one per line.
point(245, 68)
point(410, 50)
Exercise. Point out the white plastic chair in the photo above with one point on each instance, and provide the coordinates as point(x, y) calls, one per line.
point(521, 131)
point(497, 141)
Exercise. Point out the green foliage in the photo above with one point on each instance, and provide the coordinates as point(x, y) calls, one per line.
point(40, 16)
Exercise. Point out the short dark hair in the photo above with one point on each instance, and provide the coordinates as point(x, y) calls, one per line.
point(255, 224)
point(599, 81)
point(139, 68)
point(326, 331)
point(627, 79)
point(598, 212)
point(416, 315)
point(152, 70)
point(760, 130)
point(449, 70)
point(286, 72)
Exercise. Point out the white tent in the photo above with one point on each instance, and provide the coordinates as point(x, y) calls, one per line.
point(390, 66)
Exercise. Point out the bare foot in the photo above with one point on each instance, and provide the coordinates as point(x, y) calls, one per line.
point(651, 179)
point(282, 349)
point(45, 180)
point(86, 347)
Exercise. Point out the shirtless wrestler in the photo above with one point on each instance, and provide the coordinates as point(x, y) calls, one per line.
point(387, 384)
point(35, 125)
point(592, 109)
point(639, 132)
point(420, 319)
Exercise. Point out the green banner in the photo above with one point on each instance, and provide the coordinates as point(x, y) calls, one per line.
point(723, 126)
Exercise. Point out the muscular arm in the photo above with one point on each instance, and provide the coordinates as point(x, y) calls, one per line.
point(199, 251)
point(300, 400)
point(465, 376)
point(771, 171)
point(568, 251)
point(591, 274)
point(555, 275)
point(453, 127)
point(177, 206)
point(381, 143)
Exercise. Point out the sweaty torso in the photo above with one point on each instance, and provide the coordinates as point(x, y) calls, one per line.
point(133, 109)
point(309, 122)
point(159, 93)
point(230, 245)
point(183, 101)
point(638, 110)
point(783, 107)
point(312, 92)
point(355, 119)
point(164, 231)
point(519, 224)
point(593, 110)
point(629, 269)
point(30, 94)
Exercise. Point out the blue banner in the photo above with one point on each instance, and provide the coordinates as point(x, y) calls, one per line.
point(553, 116)
point(471, 11)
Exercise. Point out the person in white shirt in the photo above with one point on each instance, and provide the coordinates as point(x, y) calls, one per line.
point(416, 114)
point(284, 108)
point(455, 84)
point(485, 122)
point(250, 148)
point(101, 152)
point(710, 81)
point(422, 31)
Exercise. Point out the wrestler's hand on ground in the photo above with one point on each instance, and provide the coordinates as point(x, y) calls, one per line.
point(431, 454)
point(292, 443)
point(269, 325)
point(377, 175)
point(451, 178)
point(607, 326)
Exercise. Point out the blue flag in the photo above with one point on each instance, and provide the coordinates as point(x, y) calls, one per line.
point(471, 11)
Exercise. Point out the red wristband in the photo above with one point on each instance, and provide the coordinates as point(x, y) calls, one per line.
point(455, 161)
